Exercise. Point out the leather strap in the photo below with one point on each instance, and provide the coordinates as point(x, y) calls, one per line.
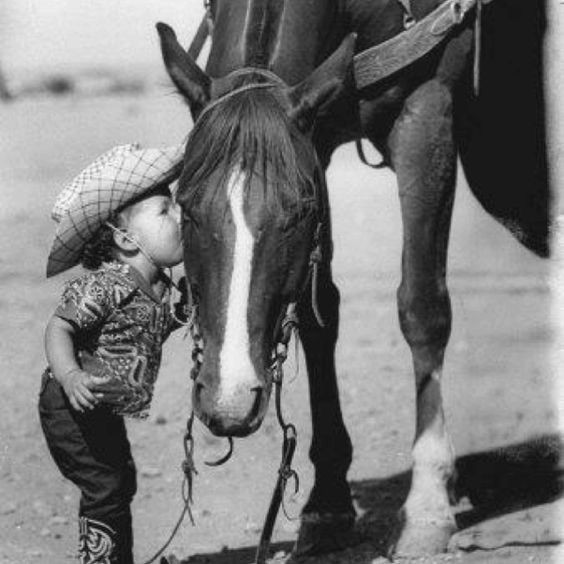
point(199, 39)
point(383, 60)
point(362, 156)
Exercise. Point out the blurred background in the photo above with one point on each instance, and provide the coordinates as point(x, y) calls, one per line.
point(78, 77)
point(86, 47)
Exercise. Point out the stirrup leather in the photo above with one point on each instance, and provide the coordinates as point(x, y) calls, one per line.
point(96, 543)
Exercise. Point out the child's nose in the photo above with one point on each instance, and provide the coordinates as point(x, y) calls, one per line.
point(176, 213)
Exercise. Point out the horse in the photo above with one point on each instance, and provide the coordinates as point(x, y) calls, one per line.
point(276, 98)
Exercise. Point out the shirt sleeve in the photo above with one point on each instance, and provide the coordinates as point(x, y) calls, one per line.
point(86, 302)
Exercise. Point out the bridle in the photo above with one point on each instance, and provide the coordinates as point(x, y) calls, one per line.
point(287, 325)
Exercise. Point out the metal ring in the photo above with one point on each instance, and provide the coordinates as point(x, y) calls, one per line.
point(408, 21)
point(290, 431)
point(457, 11)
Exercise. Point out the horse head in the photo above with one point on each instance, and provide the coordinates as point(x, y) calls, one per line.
point(253, 199)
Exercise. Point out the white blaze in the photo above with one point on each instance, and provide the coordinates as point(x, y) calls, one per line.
point(236, 367)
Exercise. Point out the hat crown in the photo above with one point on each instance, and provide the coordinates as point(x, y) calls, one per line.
point(71, 190)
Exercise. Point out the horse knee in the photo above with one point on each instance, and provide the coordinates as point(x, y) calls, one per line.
point(425, 317)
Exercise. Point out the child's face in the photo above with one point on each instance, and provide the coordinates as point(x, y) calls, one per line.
point(155, 223)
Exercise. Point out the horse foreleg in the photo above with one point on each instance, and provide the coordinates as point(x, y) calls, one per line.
point(424, 158)
point(328, 516)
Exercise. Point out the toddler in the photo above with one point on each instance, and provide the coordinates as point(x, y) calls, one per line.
point(104, 340)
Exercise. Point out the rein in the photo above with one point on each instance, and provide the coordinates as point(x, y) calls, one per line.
point(286, 472)
point(290, 437)
point(288, 326)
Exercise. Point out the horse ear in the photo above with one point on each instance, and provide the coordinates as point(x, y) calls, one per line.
point(323, 85)
point(191, 81)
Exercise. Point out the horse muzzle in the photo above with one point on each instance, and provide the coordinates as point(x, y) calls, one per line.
point(233, 410)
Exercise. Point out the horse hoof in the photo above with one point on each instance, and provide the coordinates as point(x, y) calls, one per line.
point(324, 532)
point(413, 538)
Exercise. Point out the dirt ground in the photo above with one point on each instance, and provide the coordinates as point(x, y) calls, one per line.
point(499, 380)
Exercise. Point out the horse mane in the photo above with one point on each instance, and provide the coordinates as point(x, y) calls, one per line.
point(249, 130)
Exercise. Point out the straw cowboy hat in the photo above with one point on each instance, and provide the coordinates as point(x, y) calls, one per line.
point(110, 182)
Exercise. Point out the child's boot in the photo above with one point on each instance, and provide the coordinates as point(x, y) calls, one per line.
point(102, 543)
point(96, 542)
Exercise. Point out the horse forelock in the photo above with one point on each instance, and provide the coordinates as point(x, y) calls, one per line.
point(252, 132)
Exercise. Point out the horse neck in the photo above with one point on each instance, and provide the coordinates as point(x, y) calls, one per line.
point(262, 33)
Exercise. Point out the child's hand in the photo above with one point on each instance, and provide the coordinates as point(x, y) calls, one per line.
point(78, 386)
point(111, 391)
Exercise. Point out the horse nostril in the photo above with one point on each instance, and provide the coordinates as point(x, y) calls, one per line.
point(255, 409)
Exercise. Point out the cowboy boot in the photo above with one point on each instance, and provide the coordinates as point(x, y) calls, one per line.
point(96, 542)
point(109, 542)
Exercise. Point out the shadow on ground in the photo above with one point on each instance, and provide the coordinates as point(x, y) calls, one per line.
point(491, 483)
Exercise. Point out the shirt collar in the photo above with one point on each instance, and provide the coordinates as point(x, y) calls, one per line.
point(136, 280)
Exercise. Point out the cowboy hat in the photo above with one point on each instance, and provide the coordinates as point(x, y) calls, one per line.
point(109, 183)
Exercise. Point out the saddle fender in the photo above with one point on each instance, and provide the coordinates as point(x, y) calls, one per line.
point(502, 131)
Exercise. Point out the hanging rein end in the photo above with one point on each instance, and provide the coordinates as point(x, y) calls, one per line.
point(224, 458)
point(315, 260)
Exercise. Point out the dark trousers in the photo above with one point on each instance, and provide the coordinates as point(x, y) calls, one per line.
point(92, 450)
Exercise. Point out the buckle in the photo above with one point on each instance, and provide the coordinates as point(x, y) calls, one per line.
point(408, 21)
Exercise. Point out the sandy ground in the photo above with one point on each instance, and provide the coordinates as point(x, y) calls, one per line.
point(498, 384)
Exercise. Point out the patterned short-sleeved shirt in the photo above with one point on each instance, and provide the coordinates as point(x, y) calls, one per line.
point(121, 326)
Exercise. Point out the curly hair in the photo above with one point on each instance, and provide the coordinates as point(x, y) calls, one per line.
point(99, 249)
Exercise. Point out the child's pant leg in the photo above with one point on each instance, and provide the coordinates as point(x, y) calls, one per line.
point(92, 450)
